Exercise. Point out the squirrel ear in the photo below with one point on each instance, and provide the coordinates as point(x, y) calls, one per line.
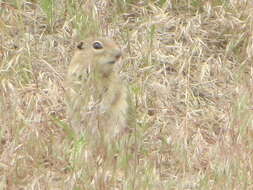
point(80, 45)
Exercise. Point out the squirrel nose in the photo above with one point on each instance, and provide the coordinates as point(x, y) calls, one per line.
point(118, 54)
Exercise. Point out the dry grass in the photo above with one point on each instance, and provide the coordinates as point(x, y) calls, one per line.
point(189, 67)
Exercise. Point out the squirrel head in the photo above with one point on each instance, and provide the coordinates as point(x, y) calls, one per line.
point(103, 54)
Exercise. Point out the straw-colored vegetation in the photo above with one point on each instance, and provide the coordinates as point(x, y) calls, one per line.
point(188, 64)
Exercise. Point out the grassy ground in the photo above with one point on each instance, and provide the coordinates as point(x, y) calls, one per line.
point(189, 67)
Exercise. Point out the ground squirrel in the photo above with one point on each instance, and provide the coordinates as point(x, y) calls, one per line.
point(92, 77)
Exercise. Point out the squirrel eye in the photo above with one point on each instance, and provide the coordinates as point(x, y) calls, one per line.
point(97, 45)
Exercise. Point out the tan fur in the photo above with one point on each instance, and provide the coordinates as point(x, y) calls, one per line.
point(92, 78)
